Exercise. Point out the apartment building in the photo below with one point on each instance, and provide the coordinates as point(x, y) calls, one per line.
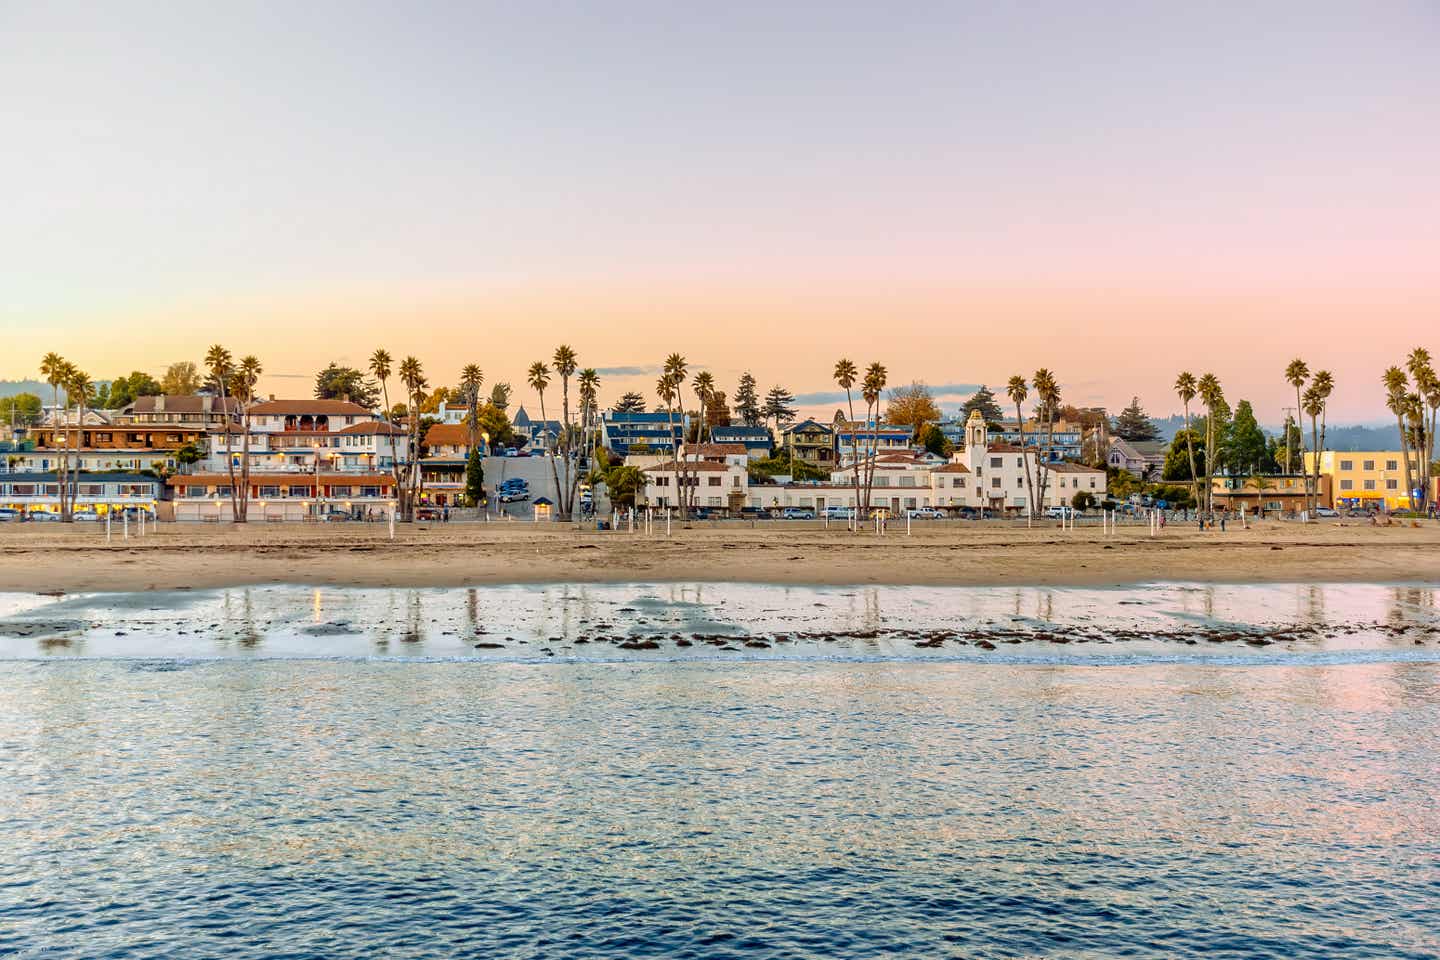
point(1367, 479)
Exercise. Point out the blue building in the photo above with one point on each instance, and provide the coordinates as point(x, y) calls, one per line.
point(758, 442)
point(540, 435)
point(622, 432)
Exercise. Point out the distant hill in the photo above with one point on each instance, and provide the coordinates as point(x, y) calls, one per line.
point(1354, 437)
point(9, 388)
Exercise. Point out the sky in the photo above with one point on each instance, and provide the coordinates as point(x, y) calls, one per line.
point(961, 191)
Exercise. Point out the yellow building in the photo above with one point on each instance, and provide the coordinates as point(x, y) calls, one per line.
point(1367, 479)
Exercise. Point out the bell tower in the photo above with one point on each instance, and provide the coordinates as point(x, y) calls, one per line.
point(975, 432)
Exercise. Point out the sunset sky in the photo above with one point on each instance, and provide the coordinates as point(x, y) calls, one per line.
point(1117, 191)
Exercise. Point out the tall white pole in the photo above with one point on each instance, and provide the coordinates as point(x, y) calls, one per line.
point(125, 520)
point(392, 521)
point(108, 514)
point(667, 521)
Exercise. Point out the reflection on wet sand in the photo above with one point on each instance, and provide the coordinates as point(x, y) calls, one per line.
point(628, 621)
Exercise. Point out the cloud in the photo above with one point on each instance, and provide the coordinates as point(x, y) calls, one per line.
point(633, 371)
point(838, 396)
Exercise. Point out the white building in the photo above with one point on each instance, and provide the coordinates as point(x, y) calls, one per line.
point(723, 486)
point(299, 436)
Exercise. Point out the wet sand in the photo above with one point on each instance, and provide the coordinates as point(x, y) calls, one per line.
point(36, 557)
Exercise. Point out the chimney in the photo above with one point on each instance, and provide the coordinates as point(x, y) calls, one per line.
point(160, 403)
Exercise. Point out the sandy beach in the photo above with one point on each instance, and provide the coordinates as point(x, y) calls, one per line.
point(36, 557)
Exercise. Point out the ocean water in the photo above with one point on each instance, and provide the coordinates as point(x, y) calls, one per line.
point(233, 792)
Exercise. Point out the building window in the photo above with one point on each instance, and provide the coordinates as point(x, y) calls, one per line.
point(269, 491)
point(995, 462)
point(1347, 464)
point(369, 491)
point(995, 482)
point(1367, 464)
point(714, 481)
point(1369, 484)
point(1392, 484)
point(1392, 464)
point(662, 481)
point(1347, 484)
point(960, 482)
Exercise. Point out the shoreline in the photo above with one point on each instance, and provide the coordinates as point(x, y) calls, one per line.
point(953, 553)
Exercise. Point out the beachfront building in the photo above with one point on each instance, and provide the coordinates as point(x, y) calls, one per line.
point(96, 494)
point(280, 496)
point(811, 442)
point(444, 455)
point(540, 436)
point(712, 485)
point(1066, 441)
point(758, 442)
point(302, 436)
point(115, 440)
point(624, 432)
point(1144, 459)
point(1276, 494)
point(1367, 480)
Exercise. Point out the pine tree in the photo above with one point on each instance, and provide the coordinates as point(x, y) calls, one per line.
point(984, 401)
point(631, 402)
point(1246, 451)
point(778, 406)
point(1133, 424)
point(747, 401)
point(474, 479)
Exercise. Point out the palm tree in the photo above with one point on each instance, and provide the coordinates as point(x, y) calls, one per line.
point(412, 375)
point(1324, 385)
point(1296, 373)
point(80, 389)
point(1208, 387)
point(871, 389)
point(675, 372)
point(538, 377)
point(1019, 392)
point(221, 366)
point(589, 382)
point(247, 376)
point(845, 376)
point(703, 383)
point(1427, 385)
point(380, 366)
point(56, 372)
point(1312, 404)
point(1398, 402)
point(565, 364)
point(1185, 389)
point(1047, 394)
point(470, 380)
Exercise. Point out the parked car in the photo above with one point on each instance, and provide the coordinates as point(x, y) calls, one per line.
point(797, 513)
point(515, 496)
point(87, 516)
point(1056, 513)
point(1326, 512)
point(45, 516)
point(9, 516)
point(755, 513)
point(839, 513)
point(925, 513)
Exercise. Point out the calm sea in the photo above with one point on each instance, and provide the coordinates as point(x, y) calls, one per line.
point(281, 772)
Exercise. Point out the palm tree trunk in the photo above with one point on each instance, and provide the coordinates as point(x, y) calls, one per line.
point(1405, 455)
point(1025, 458)
point(554, 470)
point(854, 462)
point(1300, 454)
point(1190, 449)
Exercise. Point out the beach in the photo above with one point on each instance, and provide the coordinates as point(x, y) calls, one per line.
point(49, 557)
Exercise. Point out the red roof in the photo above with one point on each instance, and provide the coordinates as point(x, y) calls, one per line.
point(692, 466)
point(952, 468)
point(447, 434)
point(374, 426)
point(279, 479)
point(714, 449)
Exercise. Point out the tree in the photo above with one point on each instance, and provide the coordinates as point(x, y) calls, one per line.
point(1208, 388)
point(1427, 395)
point(747, 401)
point(778, 406)
point(984, 401)
point(1019, 391)
point(933, 439)
point(345, 383)
point(242, 387)
point(471, 378)
point(589, 407)
point(412, 375)
point(667, 388)
point(124, 390)
point(181, 379)
point(500, 397)
point(845, 376)
point(188, 455)
point(871, 389)
point(221, 365)
point(1397, 400)
point(494, 423)
point(1047, 397)
point(1187, 449)
point(1185, 389)
point(1246, 451)
point(1083, 500)
point(912, 407)
point(566, 365)
point(717, 411)
point(21, 410)
point(1296, 373)
point(474, 478)
point(80, 389)
point(538, 378)
point(623, 484)
point(630, 402)
point(1317, 401)
point(1134, 425)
